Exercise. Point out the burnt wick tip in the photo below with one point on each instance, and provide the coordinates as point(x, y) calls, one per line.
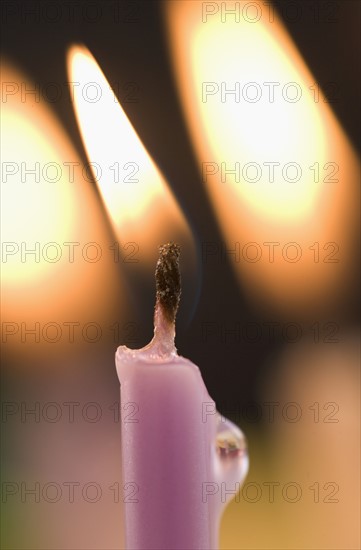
point(168, 280)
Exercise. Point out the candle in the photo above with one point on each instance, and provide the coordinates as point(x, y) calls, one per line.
point(177, 452)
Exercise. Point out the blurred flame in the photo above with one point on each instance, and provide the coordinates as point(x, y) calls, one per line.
point(223, 53)
point(52, 284)
point(33, 209)
point(139, 202)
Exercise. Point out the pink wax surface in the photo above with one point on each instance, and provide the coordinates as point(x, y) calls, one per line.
point(167, 452)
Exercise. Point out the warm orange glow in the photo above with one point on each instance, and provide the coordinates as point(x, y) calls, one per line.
point(49, 216)
point(253, 107)
point(32, 209)
point(140, 204)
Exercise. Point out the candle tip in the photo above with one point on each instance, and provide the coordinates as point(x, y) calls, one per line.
point(168, 280)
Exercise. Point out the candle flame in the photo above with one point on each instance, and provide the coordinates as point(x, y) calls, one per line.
point(278, 168)
point(49, 218)
point(138, 200)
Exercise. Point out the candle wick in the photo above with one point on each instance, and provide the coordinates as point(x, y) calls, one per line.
point(168, 291)
point(168, 280)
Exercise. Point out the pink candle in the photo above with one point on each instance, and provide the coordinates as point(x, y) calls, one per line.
point(173, 460)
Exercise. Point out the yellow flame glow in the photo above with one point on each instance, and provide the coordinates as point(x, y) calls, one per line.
point(253, 108)
point(140, 204)
point(49, 218)
point(32, 207)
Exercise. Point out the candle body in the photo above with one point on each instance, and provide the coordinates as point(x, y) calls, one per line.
point(167, 453)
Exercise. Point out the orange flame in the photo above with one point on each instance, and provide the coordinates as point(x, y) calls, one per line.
point(278, 168)
point(51, 223)
point(140, 204)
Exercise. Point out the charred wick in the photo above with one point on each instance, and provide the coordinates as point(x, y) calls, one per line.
point(168, 280)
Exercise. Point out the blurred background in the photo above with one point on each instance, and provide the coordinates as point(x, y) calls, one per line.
point(237, 137)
